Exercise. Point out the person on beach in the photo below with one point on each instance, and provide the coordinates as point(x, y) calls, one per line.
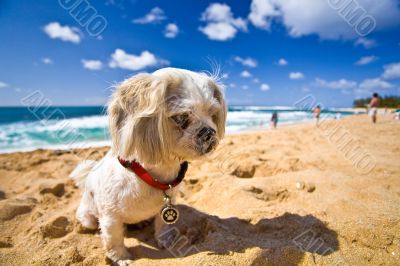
point(274, 119)
point(373, 105)
point(317, 114)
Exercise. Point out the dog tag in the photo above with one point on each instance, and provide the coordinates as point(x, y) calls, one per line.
point(169, 214)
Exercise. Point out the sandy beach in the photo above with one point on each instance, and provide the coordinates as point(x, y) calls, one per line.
point(298, 195)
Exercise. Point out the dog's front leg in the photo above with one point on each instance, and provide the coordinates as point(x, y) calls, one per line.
point(112, 234)
point(165, 234)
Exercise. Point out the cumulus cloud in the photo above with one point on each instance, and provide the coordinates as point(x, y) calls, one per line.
point(245, 74)
point(369, 85)
point(296, 75)
point(219, 31)
point(3, 85)
point(171, 30)
point(47, 61)
point(245, 87)
point(365, 42)
point(65, 33)
point(321, 17)
point(365, 60)
point(342, 84)
point(121, 59)
point(262, 12)
point(391, 71)
point(283, 62)
point(156, 15)
point(265, 87)
point(364, 88)
point(232, 85)
point(250, 62)
point(92, 64)
point(221, 25)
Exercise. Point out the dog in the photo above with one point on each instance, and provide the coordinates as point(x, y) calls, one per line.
point(158, 121)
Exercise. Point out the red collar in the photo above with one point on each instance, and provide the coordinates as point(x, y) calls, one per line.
point(146, 177)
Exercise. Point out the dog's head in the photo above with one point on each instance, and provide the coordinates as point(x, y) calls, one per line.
point(171, 113)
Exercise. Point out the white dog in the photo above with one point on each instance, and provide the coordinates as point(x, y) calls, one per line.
point(157, 120)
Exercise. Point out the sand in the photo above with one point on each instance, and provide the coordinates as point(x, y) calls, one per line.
point(297, 195)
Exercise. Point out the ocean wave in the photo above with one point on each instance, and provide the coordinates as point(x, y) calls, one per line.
point(261, 108)
point(92, 130)
point(47, 133)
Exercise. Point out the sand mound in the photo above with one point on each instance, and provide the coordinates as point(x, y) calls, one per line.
point(12, 208)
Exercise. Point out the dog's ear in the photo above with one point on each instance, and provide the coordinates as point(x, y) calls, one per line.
point(136, 117)
point(220, 117)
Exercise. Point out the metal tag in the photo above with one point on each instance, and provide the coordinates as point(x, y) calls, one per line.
point(169, 214)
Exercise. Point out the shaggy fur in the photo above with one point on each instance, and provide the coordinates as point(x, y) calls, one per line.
point(159, 120)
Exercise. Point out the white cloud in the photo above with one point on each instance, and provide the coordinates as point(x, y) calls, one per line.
point(392, 71)
point(262, 12)
point(365, 88)
point(245, 74)
point(92, 64)
point(65, 33)
point(225, 76)
point(319, 17)
point(256, 80)
point(221, 25)
point(219, 31)
point(342, 84)
point(250, 62)
point(245, 87)
point(232, 85)
point(156, 15)
point(3, 85)
point(171, 30)
point(283, 62)
point(121, 59)
point(116, 3)
point(365, 60)
point(296, 75)
point(371, 85)
point(47, 61)
point(265, 87)
point(367, 43)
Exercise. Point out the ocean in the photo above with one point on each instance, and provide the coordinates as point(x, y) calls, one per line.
point(29, 128)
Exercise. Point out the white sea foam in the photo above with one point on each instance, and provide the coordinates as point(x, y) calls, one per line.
point(93, 130)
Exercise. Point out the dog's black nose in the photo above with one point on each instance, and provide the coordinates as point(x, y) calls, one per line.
point(205, 134)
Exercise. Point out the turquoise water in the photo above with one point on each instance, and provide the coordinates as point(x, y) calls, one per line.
point(23, 128)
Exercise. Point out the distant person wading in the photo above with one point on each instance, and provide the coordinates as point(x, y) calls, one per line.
point(274, 119)
point(317, 114)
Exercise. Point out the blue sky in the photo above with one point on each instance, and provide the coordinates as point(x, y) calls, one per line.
point(270, 52)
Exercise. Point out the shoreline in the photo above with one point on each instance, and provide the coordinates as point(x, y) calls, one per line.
point(106, 143)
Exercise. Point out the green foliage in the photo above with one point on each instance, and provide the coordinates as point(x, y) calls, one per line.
point(387, 101)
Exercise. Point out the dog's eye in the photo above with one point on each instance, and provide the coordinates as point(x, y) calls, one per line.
point(181, 120)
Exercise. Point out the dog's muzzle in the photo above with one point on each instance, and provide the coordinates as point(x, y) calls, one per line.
point(206, 140)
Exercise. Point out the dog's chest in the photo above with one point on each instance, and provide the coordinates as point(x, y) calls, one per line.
point(145, 203)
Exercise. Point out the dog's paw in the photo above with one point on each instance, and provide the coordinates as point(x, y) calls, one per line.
point(167, 238)
point(124, 262)
point(119, 255)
